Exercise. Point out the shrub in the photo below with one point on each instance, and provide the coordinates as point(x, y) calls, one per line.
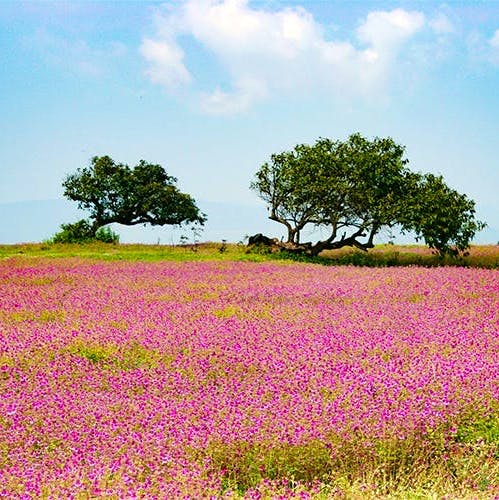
point(76, 232)
point(82, 232)
point(107, 235)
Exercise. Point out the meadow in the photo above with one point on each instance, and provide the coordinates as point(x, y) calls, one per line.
point(145, 372)
point(482, 256)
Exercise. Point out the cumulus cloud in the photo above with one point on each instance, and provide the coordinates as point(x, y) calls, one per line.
point(386, 30)
point(166, 65)
point(265, 52)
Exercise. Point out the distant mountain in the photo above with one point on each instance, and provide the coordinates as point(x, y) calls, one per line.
point(35, 221)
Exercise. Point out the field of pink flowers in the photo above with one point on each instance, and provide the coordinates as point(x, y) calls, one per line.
point(199, 379)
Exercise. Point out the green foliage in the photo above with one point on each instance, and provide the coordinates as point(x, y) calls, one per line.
point(77, 232)
point(484, 429)
point(144, 194)
point(113, 356)
point(246, 464)
point(107, 235)
point(442, 217)
point(355, 188)
point(82, 232)
point(351, 188)
point(436, 461)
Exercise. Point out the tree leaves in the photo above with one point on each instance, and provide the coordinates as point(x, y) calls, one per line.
point(354, 189)
point(144, 194)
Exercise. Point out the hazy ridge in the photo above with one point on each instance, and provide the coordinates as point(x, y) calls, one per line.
point(38, 220)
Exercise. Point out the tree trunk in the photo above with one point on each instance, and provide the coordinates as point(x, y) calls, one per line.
point(313, 249)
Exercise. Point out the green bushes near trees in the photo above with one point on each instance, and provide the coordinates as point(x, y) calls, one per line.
point(82, 232)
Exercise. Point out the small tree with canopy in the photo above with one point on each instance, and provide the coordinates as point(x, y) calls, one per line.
point(440, 216)
point(144, 194)
point(353, 189)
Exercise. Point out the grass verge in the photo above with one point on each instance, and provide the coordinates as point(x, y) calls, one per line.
point(484, 256)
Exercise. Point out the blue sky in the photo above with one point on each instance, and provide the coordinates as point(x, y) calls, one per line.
point(210, 88)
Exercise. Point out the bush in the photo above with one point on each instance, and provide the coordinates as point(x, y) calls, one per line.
point(81, 232)
point(76, 232)
point(107, 235)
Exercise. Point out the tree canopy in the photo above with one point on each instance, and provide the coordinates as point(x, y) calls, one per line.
point(144, 194)
point(353, 189)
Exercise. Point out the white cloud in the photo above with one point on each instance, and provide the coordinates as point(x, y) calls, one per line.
point(387, 30)
point(166, 65)
point(246, 93)
point(442, 25)
point(267, 52)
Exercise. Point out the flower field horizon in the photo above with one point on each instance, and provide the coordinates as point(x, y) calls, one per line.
point(247, 379)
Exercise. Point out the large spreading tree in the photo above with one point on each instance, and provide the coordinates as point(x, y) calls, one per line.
point(144, 194)
point(353, 189)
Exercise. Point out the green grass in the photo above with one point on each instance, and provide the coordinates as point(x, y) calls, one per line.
point(132, 252)
point(109, 355)
point(438, 464)
point(486, 256)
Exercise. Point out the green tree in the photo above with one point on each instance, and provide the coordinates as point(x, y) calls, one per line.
point(144, 194)
point(355, 188)
point(440, 216)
